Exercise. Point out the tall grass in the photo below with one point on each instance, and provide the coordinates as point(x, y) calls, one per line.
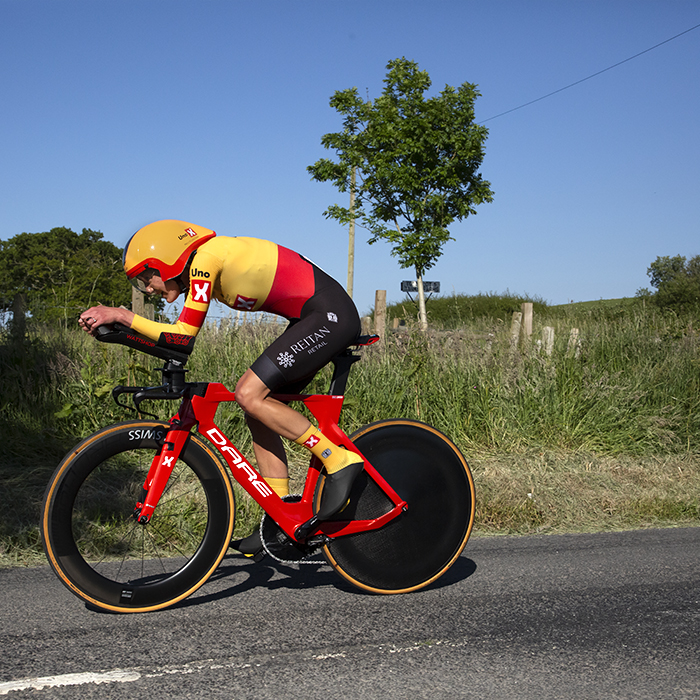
point(632, 389)
point(528, 423)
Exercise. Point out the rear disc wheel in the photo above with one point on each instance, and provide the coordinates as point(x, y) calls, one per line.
point(428, 472)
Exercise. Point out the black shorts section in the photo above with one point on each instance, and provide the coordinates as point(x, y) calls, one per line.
point(329, 323)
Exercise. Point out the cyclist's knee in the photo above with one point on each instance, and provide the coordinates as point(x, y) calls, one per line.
point(250, 393)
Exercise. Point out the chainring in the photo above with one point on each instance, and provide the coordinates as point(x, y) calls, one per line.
point(283, 548)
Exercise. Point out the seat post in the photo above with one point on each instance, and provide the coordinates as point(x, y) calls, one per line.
point(343, 361)
point(341, 370)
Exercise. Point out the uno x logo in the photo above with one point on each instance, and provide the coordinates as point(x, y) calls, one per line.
point(313, 440)
point(200, 291)
point(244, 303)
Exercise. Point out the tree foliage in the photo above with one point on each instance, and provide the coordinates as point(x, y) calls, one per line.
point(61, 272)
point(417, 163)
point(676, 281)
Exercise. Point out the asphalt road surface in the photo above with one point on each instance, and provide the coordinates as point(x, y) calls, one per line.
point(614, 615)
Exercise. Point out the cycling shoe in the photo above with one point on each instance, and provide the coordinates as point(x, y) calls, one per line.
point(336, 490)
point(250, 546)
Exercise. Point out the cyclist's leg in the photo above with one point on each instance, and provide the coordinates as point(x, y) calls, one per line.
point(253, 396)
point(271, 458)
point(329, 323)
point(270, 454)
point(342, 465)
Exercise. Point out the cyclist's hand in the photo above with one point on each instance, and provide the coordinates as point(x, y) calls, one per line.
point(97, 316)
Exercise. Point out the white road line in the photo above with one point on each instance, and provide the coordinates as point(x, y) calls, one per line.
point(119, 675)
point(116, 676)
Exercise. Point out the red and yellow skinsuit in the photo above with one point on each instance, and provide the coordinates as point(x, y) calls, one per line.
point(246, 274)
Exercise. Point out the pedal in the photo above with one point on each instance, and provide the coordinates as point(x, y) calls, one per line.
point(286, 550)
point(259, 555)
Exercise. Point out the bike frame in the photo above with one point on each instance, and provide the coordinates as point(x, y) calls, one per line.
point(198, 407)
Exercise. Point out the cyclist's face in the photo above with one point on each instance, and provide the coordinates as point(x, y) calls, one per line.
point(154, 284)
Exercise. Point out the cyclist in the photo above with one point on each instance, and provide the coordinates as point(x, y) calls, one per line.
point(249, 274)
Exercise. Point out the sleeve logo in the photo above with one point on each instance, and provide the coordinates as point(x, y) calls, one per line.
point(244, 303)
point(200, 291)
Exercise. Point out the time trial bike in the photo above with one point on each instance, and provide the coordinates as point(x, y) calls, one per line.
point(140, 514)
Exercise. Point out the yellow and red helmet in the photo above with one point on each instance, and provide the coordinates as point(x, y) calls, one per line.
point(164, 247)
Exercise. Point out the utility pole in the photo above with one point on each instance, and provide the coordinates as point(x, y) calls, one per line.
point(351, 236)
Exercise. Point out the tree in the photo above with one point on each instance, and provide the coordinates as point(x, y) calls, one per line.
point(676, 280)
point(417, 161)
point(60, 272)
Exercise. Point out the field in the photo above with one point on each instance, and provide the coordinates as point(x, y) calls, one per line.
point(603, 434)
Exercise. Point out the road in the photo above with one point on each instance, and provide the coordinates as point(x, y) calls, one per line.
point(613, 615)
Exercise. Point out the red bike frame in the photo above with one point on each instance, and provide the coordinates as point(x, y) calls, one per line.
point(197, 410)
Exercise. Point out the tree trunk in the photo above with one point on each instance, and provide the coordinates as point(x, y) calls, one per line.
point(18, 326)
point(422, 314)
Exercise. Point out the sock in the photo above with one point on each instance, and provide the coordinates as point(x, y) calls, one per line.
point(279, 486)
point(334, 458)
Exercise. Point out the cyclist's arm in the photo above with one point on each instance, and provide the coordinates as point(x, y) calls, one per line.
point(205, 272)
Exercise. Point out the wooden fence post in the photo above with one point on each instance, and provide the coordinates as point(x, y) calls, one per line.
point(380, 312)
point(140, 307)
point(548, 340)
point(526, 329)
point(515, 329)
point(138, 304)
point(574, 347)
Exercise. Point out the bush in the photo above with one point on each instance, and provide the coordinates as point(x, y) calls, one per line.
point(677, 283)
point(459, 309)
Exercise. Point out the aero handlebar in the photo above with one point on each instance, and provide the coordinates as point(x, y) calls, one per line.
point(172, 347)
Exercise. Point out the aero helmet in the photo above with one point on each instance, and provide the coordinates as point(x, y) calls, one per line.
point(164, 247)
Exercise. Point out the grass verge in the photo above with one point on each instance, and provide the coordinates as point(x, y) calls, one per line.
point(606, 437)
point(557, 492)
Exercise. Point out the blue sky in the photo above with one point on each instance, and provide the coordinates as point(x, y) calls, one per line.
point(120, 112)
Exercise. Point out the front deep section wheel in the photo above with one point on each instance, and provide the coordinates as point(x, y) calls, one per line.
point(427, 471)
point(95, 544)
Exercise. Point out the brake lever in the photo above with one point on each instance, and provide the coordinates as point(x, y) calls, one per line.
point(152, 394)
point(119, 390)
point(140, 394)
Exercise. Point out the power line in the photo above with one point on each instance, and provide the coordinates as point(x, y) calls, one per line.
point(583, 80)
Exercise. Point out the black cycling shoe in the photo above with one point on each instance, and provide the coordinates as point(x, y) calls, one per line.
point(250, 546)
point(336, 490)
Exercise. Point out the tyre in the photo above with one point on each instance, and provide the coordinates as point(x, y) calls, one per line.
point(94, 543)
point(427, 471)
